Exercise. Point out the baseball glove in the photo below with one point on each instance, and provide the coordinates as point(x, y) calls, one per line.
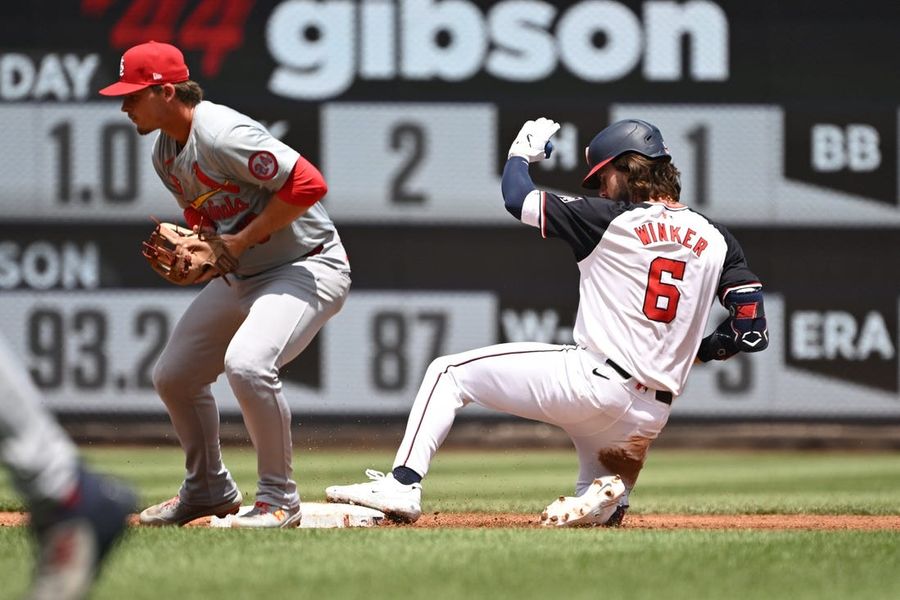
point(185, 257)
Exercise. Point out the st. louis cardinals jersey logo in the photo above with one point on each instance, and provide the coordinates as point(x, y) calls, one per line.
point(263, 165)
point(215, 185)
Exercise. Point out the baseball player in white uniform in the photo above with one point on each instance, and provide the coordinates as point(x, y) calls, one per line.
point(650, 269)
point(76, 514)
point(230, 175)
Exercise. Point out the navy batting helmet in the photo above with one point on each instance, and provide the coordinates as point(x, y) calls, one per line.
point(630, 135)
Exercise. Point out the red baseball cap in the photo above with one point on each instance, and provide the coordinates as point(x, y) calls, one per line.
point(148, 64)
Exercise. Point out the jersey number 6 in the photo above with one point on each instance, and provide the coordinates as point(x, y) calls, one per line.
point(661, 299)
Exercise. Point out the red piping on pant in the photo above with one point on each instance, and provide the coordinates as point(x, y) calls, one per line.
point(427, 402)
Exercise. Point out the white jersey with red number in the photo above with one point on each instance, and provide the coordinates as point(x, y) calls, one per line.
point(649, 275)
point(228, 170)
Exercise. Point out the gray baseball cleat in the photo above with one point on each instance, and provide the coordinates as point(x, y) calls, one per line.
point(598, 505)
point(176, 512)
point(396, 500)
point(271, 516)
point(74, 538)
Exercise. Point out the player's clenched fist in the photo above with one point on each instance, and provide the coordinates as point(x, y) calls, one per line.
point(533, 141)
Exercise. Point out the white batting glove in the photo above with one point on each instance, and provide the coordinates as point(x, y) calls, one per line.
point(533, 141)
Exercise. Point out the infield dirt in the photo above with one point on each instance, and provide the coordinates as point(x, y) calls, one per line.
point(658, 521)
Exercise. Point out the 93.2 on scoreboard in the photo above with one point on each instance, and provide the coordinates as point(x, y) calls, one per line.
point(89, 344)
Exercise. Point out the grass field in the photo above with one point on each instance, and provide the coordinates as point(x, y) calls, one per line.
point(516, 563)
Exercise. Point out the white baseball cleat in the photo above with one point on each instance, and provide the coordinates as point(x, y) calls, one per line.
point(596, 506)
point(396, 500)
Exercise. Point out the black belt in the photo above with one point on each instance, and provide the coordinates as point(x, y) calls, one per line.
point(665, 397)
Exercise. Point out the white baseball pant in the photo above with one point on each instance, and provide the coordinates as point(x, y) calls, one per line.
point(248, 331)
point(610, 419)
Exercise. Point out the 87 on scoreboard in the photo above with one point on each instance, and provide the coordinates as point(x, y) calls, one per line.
point(378, 347)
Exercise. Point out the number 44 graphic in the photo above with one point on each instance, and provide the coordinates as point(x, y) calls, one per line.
point(212, 27)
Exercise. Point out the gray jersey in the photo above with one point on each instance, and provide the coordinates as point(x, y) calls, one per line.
point(229, 170)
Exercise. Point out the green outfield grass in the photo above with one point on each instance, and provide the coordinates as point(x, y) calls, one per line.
point(528, 563)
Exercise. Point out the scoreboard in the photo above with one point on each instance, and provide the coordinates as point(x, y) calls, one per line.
point(408, 107)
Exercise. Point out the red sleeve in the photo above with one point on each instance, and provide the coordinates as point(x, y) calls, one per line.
point(304, 186)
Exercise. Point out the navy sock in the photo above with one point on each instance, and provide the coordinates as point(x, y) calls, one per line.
point(406, 476)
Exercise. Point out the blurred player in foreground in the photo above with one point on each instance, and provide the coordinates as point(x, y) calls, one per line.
point(650, 268)
point(76, 515)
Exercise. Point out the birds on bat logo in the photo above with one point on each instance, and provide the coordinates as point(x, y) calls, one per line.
point(263, 165)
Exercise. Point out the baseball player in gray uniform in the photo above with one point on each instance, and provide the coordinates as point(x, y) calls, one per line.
point(230, 175)
point(76, 514)
point(650, 269)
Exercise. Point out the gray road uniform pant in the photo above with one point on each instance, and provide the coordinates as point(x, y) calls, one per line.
point(41, 457)
point(248, 331)
point(611, 420)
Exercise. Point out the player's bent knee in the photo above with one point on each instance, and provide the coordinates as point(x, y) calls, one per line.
point(444, 363)
point(241, 368)
point(174, 383)
point(439, 365)
point(169, 382)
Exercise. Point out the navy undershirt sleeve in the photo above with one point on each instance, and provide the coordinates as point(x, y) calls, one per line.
point(516, 185)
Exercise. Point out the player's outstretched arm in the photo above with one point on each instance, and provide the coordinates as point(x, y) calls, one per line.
point(532, 144)
point(744, 330)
